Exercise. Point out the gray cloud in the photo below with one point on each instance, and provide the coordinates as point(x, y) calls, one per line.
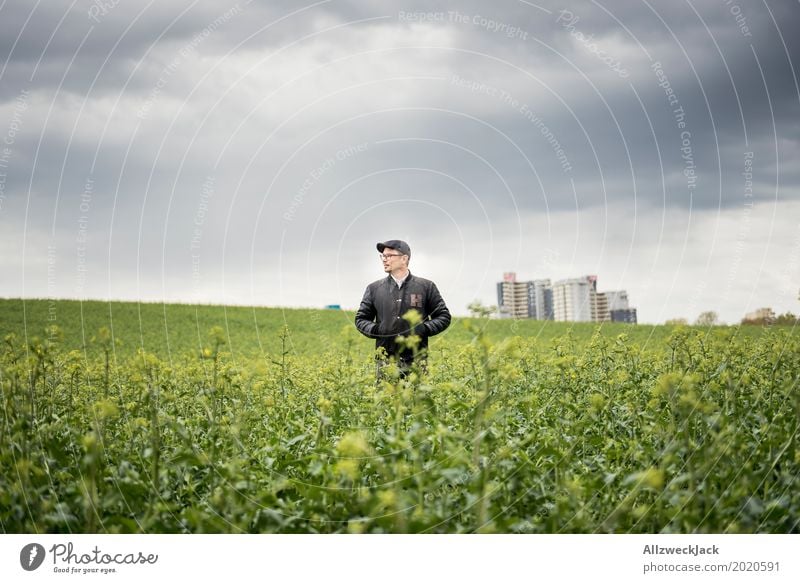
point(511, 132)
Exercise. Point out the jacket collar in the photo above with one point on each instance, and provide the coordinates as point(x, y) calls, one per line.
point(390, 279)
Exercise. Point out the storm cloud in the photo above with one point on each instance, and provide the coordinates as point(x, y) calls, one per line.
point(254, 152)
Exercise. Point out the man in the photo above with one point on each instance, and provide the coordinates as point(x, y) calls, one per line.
point(386, 301)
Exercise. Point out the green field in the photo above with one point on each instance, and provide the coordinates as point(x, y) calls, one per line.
point(124, 417)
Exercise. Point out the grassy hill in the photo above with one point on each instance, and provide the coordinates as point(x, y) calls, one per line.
point(168, 330)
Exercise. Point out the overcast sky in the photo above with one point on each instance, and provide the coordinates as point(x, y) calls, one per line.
point(254, 152)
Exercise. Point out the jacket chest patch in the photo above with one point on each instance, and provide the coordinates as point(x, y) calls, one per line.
point(415, 300)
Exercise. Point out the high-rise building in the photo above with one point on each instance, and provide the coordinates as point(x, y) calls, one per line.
point(617, 300)
point(524, 299)
point(573, 299)
point(513, 297)
point(541, 298)
point(607, 303)
point(568, 300)
point(626, 315)
point(600, 307)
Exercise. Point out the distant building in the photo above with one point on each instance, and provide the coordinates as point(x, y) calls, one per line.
point(617, 300)
point(541, 298)
point(600, 307)
point(626, 315)
point(524, 299)
point(567, 300)
point(333, 307)
point(609, 303)
point(573, 299)
point(514, 299)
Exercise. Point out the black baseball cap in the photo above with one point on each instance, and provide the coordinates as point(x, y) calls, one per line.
point(397, 245)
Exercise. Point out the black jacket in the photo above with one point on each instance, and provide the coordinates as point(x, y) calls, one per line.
point(380, 315)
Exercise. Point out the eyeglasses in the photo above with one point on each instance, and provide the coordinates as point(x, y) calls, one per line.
point(387, 256)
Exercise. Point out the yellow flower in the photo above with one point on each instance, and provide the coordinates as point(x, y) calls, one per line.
point(105, 410)
point(666, 383)
point(387, 498)
point(89, 440)
point(356, 526)
point(653, 478)
point(353, 444)
point(324, 404)
point(597, 401)
point(348, 468)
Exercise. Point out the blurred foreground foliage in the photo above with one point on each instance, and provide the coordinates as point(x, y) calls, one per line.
point(546, 430)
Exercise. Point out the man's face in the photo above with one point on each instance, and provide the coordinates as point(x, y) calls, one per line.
point(393, 260)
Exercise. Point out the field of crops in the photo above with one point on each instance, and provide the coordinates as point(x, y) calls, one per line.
point(119, 417)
